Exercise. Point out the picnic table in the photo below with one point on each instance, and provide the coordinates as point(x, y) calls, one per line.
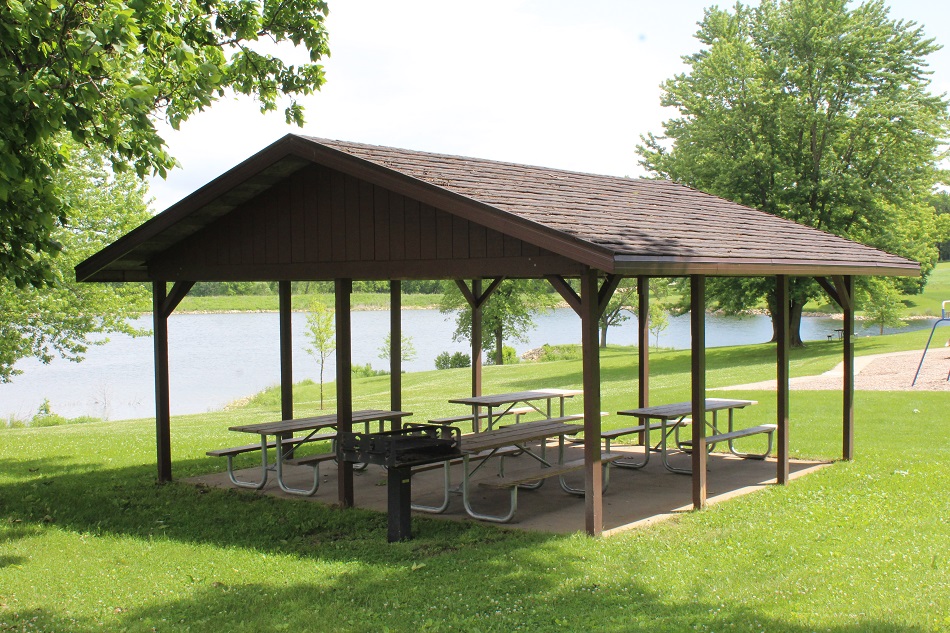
point(529, 439)
point(672, 416)
point(285, 445)
point(501, 404)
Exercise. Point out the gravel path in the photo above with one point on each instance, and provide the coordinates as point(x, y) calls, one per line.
point(877, 372)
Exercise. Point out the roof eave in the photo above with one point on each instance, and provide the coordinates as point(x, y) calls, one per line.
point(736, 267)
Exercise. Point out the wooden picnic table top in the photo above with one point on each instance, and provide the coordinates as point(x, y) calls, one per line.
point(518, 396)
point(679, 409)
point(316, 422)
point(517, 433)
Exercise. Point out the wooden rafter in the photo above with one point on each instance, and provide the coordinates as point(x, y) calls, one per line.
point(606, 292)
point(567, 293)
point(475, 298)
point(845, 292)
point(178, 292)
point(837, 290)
point(829, 289)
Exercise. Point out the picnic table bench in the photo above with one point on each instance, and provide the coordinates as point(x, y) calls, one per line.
point(231, 453)
point(490, 443)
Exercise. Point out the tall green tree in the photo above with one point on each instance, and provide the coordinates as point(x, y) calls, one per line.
point(507, 315)
point(813, 110)
point(941, 202)
point(58, 319)
point(102, 71)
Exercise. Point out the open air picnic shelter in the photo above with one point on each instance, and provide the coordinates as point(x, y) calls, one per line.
point(306, 209)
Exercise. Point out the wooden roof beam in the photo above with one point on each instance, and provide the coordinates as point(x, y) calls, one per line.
point(836, 288)
point(567, 293)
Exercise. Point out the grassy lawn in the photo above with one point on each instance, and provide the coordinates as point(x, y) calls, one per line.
point(936, 291)
point(88, 542)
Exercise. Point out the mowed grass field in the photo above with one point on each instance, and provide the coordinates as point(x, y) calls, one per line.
point(89, 542)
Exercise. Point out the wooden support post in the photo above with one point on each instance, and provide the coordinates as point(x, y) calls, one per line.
point(162, 395)
point(590, 344)
point(395, 347)
point(643, 345)
point(848, 382)
point(476, 339)
point(286, 352)
point(781, 377)
point(344, 384)
point(643, 338)
point(697, 319)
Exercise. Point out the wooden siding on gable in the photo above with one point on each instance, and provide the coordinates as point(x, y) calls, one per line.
point(318, 216)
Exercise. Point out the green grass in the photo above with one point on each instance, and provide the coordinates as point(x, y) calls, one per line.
point(88, 542)
point(936, 291)
point(268, 303)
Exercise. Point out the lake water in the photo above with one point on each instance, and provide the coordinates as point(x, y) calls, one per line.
point(218, 358)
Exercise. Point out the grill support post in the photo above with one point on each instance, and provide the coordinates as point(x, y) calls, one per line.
point(399, 489)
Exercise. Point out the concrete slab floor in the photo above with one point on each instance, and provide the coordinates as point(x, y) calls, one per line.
point(634, 497)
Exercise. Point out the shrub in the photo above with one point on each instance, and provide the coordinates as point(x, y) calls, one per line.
point(509, 356)
point(559, 352)
point(443, 361)
point(366, 371)
point(460, 359)
point(452, 361)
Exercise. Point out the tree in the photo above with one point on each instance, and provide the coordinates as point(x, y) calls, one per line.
point(407, 349)
point(882, 303)
point(815, 112)
point(57, 320)
point(508, 313)
point(941, 202)
point(659, 321)
point(321, 335)
point(621, 305)
point(101, 71)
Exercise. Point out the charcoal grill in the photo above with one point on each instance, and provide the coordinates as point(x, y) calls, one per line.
point(399, 451)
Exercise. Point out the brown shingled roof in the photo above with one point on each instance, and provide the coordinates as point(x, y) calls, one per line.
point(619, 225)
point(646, 224)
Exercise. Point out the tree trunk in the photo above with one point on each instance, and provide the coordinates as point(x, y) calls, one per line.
point(603, 335)
point(499, 351)
point(794, 325)
point(321, 385)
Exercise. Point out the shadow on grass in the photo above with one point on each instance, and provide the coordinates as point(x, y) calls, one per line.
point(397, 603)
point(128, 502)
point(459, 575)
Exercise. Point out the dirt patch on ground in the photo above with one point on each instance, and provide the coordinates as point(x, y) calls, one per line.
point(880, 372)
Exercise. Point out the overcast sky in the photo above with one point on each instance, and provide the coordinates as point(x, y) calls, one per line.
point(545, 82)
